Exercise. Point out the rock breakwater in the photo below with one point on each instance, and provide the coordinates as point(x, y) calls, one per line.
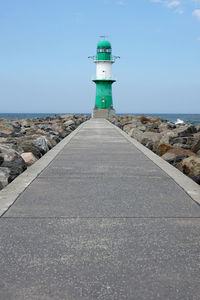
point(178, 144)
point(24, 141)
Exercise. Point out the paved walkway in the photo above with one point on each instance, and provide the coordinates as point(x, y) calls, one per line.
point(102, 221)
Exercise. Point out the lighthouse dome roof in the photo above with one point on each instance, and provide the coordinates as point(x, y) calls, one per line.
point(104, 44)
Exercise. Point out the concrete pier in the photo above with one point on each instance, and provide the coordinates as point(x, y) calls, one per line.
point(97, 218)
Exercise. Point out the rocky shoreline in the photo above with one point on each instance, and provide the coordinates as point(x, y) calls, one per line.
point(178, 144)
point(24, 141)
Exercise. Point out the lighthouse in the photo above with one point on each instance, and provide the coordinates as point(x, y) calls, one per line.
point(103, 80)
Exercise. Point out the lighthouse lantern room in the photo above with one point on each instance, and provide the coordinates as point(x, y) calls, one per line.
point(103, 80)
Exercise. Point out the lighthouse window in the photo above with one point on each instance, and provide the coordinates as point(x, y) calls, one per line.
point(103, 50)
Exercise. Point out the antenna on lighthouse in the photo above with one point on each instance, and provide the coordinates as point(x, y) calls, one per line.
point(103, 37)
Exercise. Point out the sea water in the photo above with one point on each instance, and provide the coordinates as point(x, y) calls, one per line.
point(193, 119)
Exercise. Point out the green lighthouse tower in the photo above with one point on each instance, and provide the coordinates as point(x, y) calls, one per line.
point(103, 80)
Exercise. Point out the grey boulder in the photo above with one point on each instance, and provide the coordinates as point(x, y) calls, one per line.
point(42, 144)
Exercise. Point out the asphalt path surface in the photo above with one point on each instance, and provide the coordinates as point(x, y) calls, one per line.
point(101, 221)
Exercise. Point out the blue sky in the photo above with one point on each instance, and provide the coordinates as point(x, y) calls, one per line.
point(45, 44)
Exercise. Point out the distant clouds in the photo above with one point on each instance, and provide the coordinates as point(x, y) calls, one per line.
point(172, 4)
point(196, 13)
point(176, 5)
point(121, 2)
point(118, 2)
point(179, 11)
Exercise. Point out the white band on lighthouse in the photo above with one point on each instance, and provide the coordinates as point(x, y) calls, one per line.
point(104, 69)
